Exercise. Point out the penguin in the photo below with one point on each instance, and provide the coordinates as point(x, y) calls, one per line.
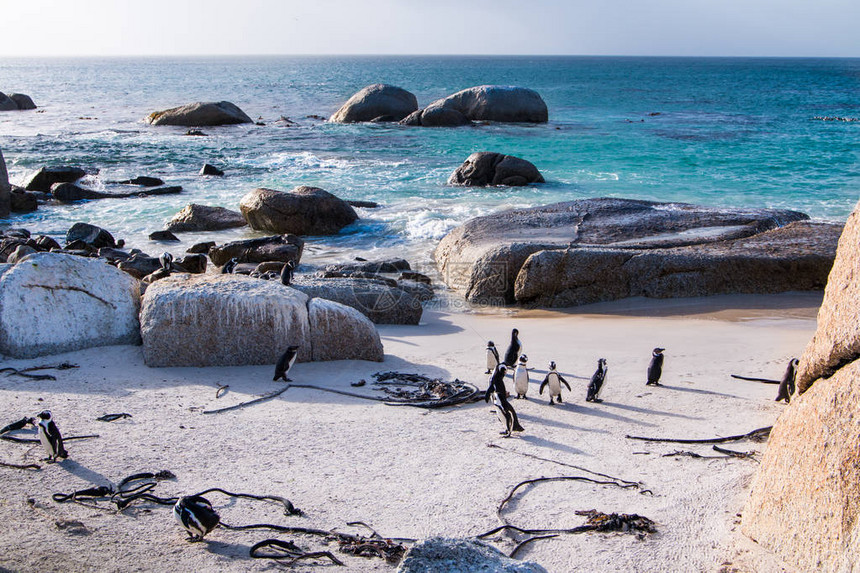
point(287, 273)
point(505, 411)
point(50, 437)
point(521, 377)
point(515, 348)
point(655, 369)
point(285, 363)
point(196, 515)
point(554, 380)
point(229, 266)
point(492, 358)
point(166, 260)
point(786, 387)
point(597, 381)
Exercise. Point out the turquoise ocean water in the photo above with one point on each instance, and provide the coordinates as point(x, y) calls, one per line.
point(713, 131)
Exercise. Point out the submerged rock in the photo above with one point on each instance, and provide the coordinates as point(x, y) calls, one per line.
point(302, 211)
point(595, 250)
point(200, 114)
point(196, 217)
point(487, 168)
point(376, 101)
point(23, 101)
point(208, 169)
point(69, 192)
point(483, 103)
point(52, 303)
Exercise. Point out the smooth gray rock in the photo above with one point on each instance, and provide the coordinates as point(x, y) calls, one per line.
point(7, 103)
point(593, 238)
point(487, 168)
point(375, 101)
point(275, 248)
point(302, 211)
point(5, 188)
point(222, 320)
point(386, 266)
point(91, 235)
point(23, 101)
point(44, 178)
point(381, 303)
point(52, 303)
point(484, 103)
point(200, 114)
point(196, 217)
point(19, 253)
point(339, 332)
point(450, 555)
point(139, 265)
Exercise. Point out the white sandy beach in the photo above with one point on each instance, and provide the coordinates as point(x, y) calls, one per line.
point(410, 472)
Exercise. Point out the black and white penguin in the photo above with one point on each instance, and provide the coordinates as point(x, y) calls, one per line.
point(50, 437)
point(492, 358)
point(786, 386)
point(515, 348)
point(196, 515)
point(597, 381)
point(521, 377)
point(166, 260)
point(286, 362)
point(287, 273)
point(554, 380)
point(229, 266)
point(655, 369)
point(505, 411)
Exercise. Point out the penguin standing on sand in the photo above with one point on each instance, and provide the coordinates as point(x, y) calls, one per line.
point(287, 273)
point(655, 369)
point(506, 412)
point(515, 348)
point(597, 382)
point(492, 358)
point(521, 377)
point(286, 362)
point(786, 387)
point(196, 515)
point(554, 380)
point(50, 437)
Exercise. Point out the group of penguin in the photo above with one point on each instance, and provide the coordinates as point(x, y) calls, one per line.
point(514, 356)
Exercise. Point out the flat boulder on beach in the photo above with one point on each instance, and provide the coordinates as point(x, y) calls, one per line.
point(302, 211)
point(594, 250)
point(200, 114)
point(377, 299)
point(374, 102)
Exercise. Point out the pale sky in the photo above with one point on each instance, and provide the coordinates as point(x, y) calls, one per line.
point(575, 27)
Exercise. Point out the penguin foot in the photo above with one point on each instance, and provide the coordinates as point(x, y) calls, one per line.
point(559, 400)
point(487, 372)
point(597, 400)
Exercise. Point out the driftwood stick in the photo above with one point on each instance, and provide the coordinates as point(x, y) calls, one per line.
point(529, 540)
point(754, 435)
point(743, 455)
point(21, 467)
point(262, 398)
point(764, 380)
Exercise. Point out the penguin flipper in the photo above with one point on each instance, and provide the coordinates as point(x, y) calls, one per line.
point(543, 385)
point(563, 381)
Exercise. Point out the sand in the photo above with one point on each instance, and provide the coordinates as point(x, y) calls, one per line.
point(410, 472)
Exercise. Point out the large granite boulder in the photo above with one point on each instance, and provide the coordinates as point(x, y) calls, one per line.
point(483, 103)
point(804, 503)
point(222, 320)
point(449, 555)
point(200, 114)
point(580, 252)
point(376, 101)
point(302, 211)
point(196, 217)
point(23, 101)
point(5, 189)
point(379, 301)
point(44, 178)
point(837, 339)
point(488, 168)
point(275, 248)
point(339, 332)
point(52, 303)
